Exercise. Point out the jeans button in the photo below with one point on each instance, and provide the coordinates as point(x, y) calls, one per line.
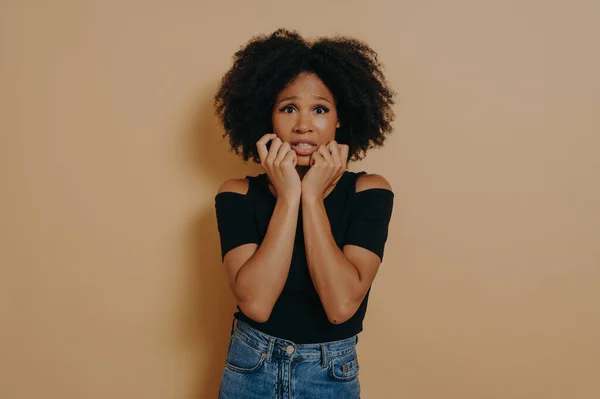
point(290, 350)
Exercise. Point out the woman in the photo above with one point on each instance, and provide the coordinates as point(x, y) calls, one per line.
point(302, 242)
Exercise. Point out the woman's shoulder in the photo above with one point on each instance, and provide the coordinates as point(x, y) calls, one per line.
point(366, 181)
point(238, 185)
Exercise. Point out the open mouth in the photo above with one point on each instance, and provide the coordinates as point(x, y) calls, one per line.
point(304, 149)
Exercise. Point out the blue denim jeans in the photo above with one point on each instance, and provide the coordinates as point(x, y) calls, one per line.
point(259, 366)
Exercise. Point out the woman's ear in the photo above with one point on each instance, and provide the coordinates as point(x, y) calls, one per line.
point(338, 125)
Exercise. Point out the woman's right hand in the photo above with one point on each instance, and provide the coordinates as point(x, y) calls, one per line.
point(279, 162)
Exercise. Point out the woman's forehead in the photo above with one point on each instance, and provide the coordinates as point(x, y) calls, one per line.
point(305, 86)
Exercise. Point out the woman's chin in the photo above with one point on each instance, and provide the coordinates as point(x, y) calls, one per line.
point(302, 160)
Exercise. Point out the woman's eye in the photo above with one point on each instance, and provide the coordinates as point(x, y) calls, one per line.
point(288, 109)
point(321, 110)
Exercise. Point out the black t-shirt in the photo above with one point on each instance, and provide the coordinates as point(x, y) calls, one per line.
point(359, 219)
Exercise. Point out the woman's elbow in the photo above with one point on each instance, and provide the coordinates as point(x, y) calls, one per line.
point(341, 314)
point(260, 313)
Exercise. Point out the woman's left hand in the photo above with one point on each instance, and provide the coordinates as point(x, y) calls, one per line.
point(327, 165)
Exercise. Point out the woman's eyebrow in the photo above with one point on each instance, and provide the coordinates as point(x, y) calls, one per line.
point(322, 98)
point(296, 97)
point(287, 98)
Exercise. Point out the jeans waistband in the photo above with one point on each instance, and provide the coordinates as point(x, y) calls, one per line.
point(285, 349)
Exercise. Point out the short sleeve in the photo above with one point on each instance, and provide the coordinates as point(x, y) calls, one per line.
point(370, 216)
point(235, 220)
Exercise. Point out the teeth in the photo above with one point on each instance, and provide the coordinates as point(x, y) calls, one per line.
point(305, 145)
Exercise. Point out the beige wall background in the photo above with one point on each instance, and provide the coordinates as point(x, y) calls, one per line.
point(111, 284)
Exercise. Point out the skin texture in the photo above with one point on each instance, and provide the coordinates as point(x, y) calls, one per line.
point(304, 109)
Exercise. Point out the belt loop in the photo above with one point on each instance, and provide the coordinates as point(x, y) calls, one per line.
point(270, 349)
point(323, 355)
point(232, 326)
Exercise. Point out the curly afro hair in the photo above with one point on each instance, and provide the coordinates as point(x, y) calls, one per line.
point(267, 63)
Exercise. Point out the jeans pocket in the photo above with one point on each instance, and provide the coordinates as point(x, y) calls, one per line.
point(344, 367)
point(243, 358)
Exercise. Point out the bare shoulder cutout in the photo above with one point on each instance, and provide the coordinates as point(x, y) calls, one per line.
point(239, 186)
point(366, 181)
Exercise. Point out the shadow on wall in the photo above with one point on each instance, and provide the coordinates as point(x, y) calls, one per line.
point(209, 303)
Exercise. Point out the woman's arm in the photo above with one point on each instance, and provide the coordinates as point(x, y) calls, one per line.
point(342, 278)
point(257, 274)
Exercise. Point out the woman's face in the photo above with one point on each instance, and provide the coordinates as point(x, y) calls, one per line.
point(305, 116)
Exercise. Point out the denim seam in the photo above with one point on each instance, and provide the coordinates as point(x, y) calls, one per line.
point(243, 370)
point(341, 352)
point(249, 341)
point(270, 350)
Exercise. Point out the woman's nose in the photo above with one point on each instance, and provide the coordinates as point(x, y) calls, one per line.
point(303, 123)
